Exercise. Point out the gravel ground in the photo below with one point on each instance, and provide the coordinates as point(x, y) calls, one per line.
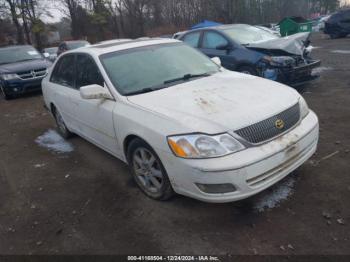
point(69, 197)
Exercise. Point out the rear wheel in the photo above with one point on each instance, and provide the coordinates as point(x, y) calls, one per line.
point(148, 171)
point(61, 126)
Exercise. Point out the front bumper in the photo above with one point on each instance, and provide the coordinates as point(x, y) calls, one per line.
point(19, 86)
point(250, 171)
point(295, 76)
point(299, 75)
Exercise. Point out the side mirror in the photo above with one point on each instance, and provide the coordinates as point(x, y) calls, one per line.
point(226, 47)
point(216, 60)
point(46, 55)
point(95, 92)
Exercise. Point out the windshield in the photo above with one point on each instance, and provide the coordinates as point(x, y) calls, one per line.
point(18, 54)
point(155, 66)
point(246, 34)
point(75, 45)
point(51, 50)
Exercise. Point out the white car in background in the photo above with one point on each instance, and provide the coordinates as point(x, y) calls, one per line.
point(182, 122)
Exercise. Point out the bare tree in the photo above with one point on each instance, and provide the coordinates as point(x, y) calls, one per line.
point(12, 5)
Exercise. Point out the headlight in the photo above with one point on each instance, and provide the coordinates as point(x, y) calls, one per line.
point(304, 109)
point(203, 146)
point(8, 76)
point(279, 60)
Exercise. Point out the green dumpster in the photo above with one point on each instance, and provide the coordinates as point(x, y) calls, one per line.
point(294, 24)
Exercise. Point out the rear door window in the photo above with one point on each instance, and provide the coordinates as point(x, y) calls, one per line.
point(192, 39)
point(87, 72)
point(64, 71)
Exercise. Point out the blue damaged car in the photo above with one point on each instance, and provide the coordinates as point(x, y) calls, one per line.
point(251, 50)
point(22, 68)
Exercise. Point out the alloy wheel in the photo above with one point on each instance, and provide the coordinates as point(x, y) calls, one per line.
point(147, 170)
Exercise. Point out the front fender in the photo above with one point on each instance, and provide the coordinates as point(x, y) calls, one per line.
point(152, 127)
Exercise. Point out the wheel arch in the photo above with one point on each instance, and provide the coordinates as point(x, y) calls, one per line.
point(127, 141)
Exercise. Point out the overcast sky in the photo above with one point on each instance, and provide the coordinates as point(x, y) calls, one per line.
point(53, 8)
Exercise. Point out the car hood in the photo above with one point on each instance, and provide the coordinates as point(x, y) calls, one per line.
point(25, 66)
point(294, 44)
point(219, 103)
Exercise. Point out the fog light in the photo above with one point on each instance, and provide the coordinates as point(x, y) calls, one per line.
point(216, 188)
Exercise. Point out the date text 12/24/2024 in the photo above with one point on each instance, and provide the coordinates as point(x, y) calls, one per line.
point(173, 258)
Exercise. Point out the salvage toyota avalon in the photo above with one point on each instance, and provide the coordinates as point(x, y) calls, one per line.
point(182, 122)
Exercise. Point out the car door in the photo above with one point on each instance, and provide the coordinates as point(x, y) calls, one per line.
point(62, 84)
point(94, 116)
point(213, 44)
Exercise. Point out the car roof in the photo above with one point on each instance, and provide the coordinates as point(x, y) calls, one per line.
point(122, 45)
point(113, 41)
point(219, 27)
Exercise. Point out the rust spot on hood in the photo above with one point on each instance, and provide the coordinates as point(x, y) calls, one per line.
point(207, 106)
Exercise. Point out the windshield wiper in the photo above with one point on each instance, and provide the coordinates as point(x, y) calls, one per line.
point(186, 77)
point(151, 89)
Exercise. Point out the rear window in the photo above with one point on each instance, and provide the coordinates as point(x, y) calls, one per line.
point(75, 45)
point(51, 50)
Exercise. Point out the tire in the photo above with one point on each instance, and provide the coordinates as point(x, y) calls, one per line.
point(148, 171)
point(61, 126)
point(4, 94)
point(248, 70)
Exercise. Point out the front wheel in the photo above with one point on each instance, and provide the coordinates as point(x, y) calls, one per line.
point(337, 35)
point(61, 126)
point(148, 171)
point(4, 94)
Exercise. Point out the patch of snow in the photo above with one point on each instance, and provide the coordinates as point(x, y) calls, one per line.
point(321, 69)
point(278, 194)
point(39, 165)
point(53, 141)
point(341, 52)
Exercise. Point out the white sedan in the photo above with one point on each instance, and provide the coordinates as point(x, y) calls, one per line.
point(182, 122)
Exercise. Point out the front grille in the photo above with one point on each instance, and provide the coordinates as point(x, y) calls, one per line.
point(266, 129)
point(32, 74)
